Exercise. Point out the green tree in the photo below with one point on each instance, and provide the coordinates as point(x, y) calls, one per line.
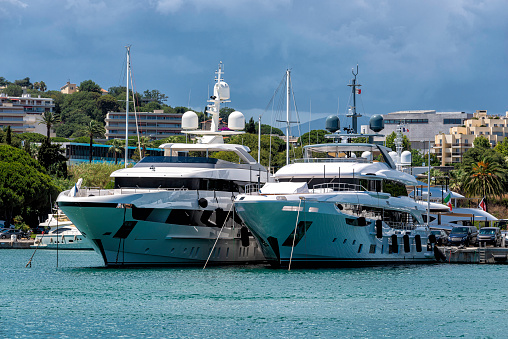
point(8, 135)
point(481, 141)
point(502, 147)
point(250, 127)
point(25, 189)
point(484, 178)
point(116, 148)
point(225, 112)
point(49, 119)
point(144, 142)
point(267, 129)
point(51, 156)
point(94, 128)
point(13, 90)
point(390, 142)
point(89, 86)
point(107, 103)
point(24, 83)
point(315, 136)
point(155, 95)
point(82, 102)
point(42, 86)
point(4, 82)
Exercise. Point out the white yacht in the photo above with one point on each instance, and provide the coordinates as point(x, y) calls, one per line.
point(175, 209)
point(342, 204)
point(60, 234)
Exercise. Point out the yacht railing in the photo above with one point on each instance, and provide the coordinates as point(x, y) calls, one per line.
point(97, 191)
point(254, 189)
point(359, 159)
point(336, 187)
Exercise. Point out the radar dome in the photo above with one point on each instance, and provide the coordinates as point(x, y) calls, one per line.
point(367, 155)
point(332, 123)
point(236, 121)
point(405, 158)
point(376, 123)
point(221, 90)
point(393, 155)
point(190, 120)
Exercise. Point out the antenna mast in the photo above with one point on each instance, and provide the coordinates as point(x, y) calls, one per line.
point(352, 109)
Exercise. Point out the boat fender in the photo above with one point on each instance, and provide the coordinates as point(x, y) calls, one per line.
point(379, 229)
point(395, 246)
point(432, 238)
point(244, 235)
point(418, 242)
point(407, 247)
point(439, 255)
point(202, 202)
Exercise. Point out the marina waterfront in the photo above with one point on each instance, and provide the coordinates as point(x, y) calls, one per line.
point(82, 298)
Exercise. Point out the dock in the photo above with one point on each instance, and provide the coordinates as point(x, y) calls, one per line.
point(475, 255)
point(22, 243)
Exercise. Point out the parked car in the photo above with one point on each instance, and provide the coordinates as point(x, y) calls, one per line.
point(11, 231)
point(490, 235)
point(463, 235)
point(441, 237)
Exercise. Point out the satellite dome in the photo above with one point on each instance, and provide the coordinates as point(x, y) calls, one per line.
point(393, 155)
point(376, 123)
point(367, 155)
point(190, 120)
point(405, 158)
point(332, 123)
point(221, 90)
point(236, 121)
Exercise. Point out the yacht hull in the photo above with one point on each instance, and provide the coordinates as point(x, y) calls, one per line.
point(324, 238)
point(140, 229)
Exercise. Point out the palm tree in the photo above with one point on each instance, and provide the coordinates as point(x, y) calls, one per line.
point(484, 178)
point(94, 128)
point(144, 142)
point(116, 148)
point(49, 119)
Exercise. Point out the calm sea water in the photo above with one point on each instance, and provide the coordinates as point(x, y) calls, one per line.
point(82, 299)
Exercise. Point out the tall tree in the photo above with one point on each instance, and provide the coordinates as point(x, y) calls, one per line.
point(484, 178)
point(93, 129)
point(116, 148)
point(250, 127)
point(42, 86)
point(89, 86)
point(8, 136)
point(481, 141)
point(49, 119)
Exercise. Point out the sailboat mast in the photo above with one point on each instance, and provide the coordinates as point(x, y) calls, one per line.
point(127, 105)
point(287, 116)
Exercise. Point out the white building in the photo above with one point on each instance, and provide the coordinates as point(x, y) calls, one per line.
point(24, 113)
point(420, 126)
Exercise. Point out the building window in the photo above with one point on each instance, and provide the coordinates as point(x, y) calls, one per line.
point(452, 121)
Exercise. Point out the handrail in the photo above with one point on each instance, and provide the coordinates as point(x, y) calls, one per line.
point(97, 191)
point(305, 160)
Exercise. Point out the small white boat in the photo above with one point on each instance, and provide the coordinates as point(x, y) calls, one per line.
point(61, 234)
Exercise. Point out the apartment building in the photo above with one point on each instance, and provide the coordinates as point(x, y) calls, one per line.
point(155, 125)
point(24, 113)
point(449, 147)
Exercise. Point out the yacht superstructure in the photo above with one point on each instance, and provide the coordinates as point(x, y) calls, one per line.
point(171, 210)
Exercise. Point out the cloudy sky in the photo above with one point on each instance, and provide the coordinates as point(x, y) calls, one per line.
point(433, 54)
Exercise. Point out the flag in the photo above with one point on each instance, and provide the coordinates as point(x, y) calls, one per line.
point(447, 200)
point(482, 204)
point(358, 91)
